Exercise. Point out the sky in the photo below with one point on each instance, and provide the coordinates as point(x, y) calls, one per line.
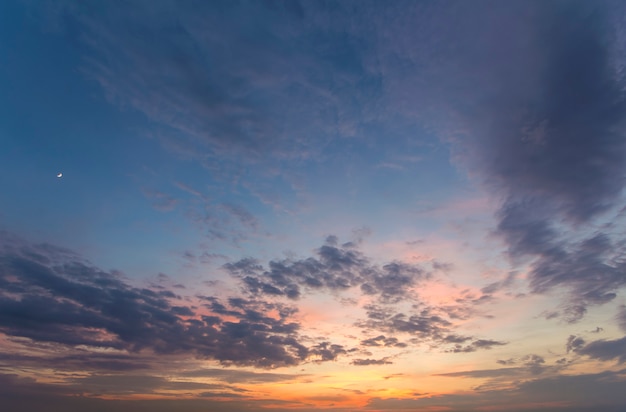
point(312, 205)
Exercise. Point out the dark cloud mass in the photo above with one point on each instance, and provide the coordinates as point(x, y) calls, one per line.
point(551, 142)
point(73, 303)
point(606, 349)
point(602, 349)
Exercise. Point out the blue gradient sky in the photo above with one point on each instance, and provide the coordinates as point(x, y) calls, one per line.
point(332, 205)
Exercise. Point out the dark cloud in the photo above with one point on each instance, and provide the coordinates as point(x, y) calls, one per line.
point(588, 268)
point(381, 340)
point(549, 139)
point(423, 326)
point(326, 351)
point(507, 361)
point(456, 339)
point(476, 345)
point(532, 363)
point(370, 362)
point(574, 343)
point(73, 303)
point(333, 268)
point(604, 349)
point(557, 145)
point(393, 280)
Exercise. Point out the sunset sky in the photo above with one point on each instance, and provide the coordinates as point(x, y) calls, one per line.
point(312, 205)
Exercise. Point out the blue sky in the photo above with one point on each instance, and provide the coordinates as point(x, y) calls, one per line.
point(312, 205)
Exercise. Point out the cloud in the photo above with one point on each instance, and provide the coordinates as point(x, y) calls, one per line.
point(548, 138)
point(381, 340)
point(556, 146)
point(72, 303)
point(423, 326)
point(370, 362)
point(574, 343)
point(603, 349)
point(326, 351)
point(339, 267)
point(534, 363)
point(333, 268)
point(476, 345)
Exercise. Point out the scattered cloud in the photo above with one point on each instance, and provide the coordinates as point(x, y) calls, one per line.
point(476, 345)
point(382, 341)
point(333, 268)
point(72, 303)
